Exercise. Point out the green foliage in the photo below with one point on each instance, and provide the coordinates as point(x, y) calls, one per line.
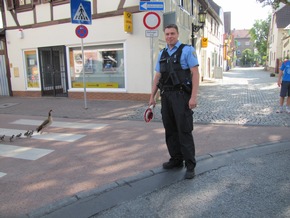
point(273, 3)
point(248, 58)
point(259, 35)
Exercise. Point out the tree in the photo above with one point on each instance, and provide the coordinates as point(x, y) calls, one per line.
point(274, 3)
point(247, 57)
point(259, 35)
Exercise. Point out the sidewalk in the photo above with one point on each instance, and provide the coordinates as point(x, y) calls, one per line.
point(226, 140)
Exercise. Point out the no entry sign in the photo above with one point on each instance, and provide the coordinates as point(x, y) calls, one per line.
point(151, 20)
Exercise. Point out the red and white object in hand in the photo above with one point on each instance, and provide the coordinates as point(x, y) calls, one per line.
point(149, 114)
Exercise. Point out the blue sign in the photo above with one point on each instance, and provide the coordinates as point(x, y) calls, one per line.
point(81, 12)
point(151, 6)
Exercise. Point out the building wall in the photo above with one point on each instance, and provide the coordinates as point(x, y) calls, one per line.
point(275, 49)
point(286, 47)
point(103, 31)
point(47, 26)
point(211, 56)
point(278, 39)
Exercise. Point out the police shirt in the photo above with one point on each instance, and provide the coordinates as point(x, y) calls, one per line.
point(188, 57)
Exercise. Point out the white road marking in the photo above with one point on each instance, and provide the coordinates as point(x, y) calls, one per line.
point(65, 137)
point(2, 174)
point(71, 125)
point(26, 153)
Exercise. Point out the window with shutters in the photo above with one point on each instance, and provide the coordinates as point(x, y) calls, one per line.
point(26, 5)
point(59, 2)
point(21, 5)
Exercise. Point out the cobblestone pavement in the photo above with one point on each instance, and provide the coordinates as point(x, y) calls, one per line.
point(245, 96)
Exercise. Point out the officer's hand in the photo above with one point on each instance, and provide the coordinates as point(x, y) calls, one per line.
point(152, 102)
point(192, 103)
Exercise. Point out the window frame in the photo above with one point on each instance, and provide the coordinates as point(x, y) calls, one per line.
point(99, 48)
point(26, 68)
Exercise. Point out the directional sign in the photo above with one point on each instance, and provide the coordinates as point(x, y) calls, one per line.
point(82, 31)
point(151, 20)
point(81, 12)
point(151, 6)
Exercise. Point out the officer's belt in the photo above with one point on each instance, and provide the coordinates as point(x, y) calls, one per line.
point(172, 88)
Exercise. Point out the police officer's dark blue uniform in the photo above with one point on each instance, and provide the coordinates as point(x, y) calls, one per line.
point(176, 102)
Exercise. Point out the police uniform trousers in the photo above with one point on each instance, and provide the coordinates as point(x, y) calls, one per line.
point(178, 124)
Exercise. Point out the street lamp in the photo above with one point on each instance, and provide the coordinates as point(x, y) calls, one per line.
point(196, 28)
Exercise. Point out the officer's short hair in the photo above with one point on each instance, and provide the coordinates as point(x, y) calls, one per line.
point(171, 26)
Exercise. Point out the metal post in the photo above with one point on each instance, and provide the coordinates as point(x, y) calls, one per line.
point(84, 81)
point(152, 70)
point(192, 36)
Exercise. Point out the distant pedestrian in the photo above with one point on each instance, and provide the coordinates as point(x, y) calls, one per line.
point(284, 83)
point(177, 77)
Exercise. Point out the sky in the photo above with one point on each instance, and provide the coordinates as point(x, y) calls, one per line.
point(244, 12)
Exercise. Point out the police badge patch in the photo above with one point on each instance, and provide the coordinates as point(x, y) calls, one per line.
point(194, 54)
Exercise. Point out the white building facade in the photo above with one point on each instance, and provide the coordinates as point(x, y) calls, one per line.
point(278, 39)
point(45, 56)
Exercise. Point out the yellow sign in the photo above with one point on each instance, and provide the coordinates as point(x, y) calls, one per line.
point(94, 85)
point(16, 71)
point(128, 22)
point(204, 42)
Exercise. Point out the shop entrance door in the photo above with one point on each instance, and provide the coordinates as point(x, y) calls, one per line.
point(53, 71)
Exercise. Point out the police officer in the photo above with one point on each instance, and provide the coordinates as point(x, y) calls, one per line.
point(177, 76)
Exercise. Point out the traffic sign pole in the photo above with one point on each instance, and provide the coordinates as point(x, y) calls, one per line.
point(84, 79)
point(82, 32)
point(152, 56)
point(81, 14)
point(151, 21)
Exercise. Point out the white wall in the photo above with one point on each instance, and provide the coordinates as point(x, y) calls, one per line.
point(137, 48)
point(102, 31)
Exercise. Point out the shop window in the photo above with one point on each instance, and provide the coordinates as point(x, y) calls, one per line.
point(103, 66)
point(31, 67)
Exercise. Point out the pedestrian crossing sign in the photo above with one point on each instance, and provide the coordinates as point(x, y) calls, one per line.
point(81, 12)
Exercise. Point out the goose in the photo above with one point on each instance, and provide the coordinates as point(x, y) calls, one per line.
point(2, 137)
point(30, 133)
point(19, 135)
point(11, 138)
point(46, 123)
